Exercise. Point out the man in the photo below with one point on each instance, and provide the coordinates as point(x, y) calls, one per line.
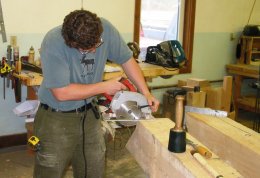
point(73, 58)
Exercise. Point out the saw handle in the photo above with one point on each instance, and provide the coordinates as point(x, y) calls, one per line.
point(108, 97)
point(125, 82)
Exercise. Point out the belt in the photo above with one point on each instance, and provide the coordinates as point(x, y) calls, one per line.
point(77, 110)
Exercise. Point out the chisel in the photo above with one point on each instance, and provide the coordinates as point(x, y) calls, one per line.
point(199, 149)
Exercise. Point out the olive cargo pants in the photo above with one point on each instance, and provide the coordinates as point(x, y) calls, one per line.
point(65, 141)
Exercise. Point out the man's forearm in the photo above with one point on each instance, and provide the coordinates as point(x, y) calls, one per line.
point(134, 73)
point(77, 91)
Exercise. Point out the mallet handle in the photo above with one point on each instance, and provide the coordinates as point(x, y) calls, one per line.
point(179, 113)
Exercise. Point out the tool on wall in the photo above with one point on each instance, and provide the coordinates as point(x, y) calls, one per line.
point(9, 60)
point(16, 82)
point(5, 69)
point(2, 25)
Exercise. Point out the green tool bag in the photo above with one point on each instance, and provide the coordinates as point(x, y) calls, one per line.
point(167, 54)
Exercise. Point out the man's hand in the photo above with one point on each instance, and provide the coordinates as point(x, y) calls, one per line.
point(114, 85)
point(152, 101)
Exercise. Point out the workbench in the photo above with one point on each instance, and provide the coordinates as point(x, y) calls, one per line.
point(240, 72)
point(149, 71)
point(31, 79)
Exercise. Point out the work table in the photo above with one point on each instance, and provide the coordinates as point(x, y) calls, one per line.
point(31, 79)
point(243, 70)
point(240, 72)
point(149, 71)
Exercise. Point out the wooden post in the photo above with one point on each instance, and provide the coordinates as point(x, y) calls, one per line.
point(227, 93)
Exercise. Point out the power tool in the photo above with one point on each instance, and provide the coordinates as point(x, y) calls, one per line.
point(129, 106)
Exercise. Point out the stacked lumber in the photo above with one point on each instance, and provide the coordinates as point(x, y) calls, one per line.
point(217, 98)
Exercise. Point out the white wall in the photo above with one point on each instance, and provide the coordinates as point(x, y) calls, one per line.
point(29, 20)
point(38, 16)
point(214, 22)
point(225, 16)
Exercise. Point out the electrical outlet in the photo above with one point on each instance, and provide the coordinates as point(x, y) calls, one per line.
point(232, 36)
point(13, 41)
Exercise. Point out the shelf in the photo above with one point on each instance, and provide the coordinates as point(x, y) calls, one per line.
point(253, 37)
point(255, 52)
point(240, 72)
point(247, 103)
point(250, 49)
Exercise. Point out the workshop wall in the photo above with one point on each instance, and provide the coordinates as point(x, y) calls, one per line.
point(215, 22)
point(29, 20)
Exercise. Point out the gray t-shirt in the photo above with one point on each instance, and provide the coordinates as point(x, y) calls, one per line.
point(63, 65)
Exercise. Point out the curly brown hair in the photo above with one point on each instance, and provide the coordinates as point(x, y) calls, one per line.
point(82, 29)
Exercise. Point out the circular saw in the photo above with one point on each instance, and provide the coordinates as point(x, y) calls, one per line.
point(130, 107)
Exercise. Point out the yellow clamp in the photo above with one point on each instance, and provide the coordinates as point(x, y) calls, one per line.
point(6, 69)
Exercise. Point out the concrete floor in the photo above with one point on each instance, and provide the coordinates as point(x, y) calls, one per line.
point(16, 162)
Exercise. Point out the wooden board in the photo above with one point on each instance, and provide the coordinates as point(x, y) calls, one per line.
point(231, 141)
point(30, 78)
point(243, 70)
point(168, 106)
point(149, 146)
point(192, 82)
point(227, 93)
point(214, 98)
point(149, 71)
point(196, 99)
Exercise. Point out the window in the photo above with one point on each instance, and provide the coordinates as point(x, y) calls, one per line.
point(160, 25)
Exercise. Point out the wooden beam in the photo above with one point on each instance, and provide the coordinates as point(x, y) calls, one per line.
point(149, 145)
point(214, 98)
point(196, 99)
point(231, 141)
point(227, 93)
